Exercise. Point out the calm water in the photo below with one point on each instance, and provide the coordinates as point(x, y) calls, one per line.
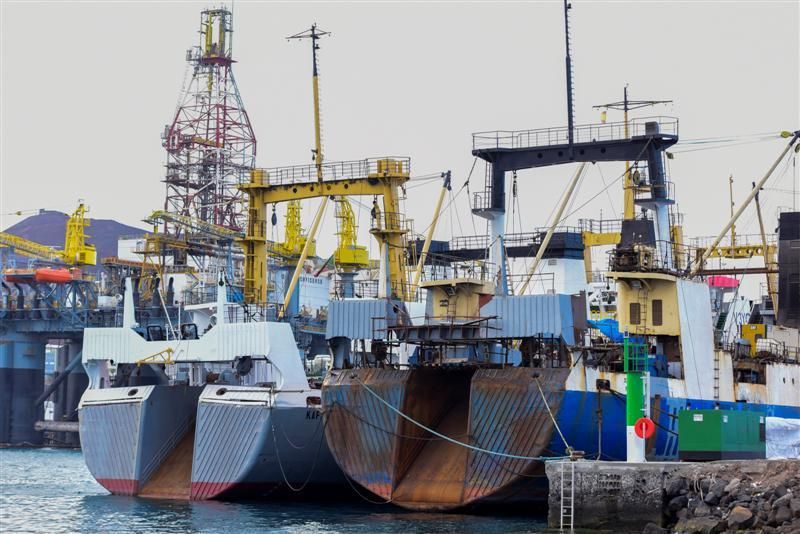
point(50, 490)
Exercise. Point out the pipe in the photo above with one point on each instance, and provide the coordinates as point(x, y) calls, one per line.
point(551, 230)
point(750, 197)
point(431, 229)
point(298, 269)
point(56, 426)
point(57, 382)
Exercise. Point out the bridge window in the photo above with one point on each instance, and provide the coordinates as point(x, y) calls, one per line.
point(635, 313)
point(658, 312)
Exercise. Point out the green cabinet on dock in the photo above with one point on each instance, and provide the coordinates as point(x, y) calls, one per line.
point(720, 435)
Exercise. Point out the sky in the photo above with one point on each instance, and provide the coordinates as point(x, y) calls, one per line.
point(87, 87)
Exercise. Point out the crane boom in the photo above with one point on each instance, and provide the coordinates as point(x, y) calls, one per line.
point(194, 224)
point(31, 249)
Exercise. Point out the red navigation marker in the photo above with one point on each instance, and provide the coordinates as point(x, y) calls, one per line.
point(644, 427)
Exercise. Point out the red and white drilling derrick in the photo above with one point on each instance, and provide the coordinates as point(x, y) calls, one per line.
point(210, 144)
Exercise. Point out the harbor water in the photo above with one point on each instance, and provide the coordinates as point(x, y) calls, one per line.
point(50, 490)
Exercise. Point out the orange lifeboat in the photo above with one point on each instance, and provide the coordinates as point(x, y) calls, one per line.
point(53, 276)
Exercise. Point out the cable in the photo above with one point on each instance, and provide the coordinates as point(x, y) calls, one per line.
point(454, 441)
point(280, 464)
point(390, 432)
point(555, 423)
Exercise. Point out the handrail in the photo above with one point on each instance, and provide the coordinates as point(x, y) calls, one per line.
point(584, 133)
point(335, 170)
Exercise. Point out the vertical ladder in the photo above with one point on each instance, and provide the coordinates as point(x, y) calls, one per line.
point(567, 496)
point(643, 298)
point(716, 375)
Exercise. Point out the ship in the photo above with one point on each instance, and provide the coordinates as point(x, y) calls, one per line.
point(498, 383)
point(226, 412)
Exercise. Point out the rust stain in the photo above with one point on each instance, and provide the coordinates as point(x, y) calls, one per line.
point(500, 410)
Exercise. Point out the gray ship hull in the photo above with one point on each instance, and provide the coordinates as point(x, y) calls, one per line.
point(179, 442)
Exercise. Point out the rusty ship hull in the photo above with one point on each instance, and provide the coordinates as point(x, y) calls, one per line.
point(400, 462)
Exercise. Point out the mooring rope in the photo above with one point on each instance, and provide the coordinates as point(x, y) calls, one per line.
point(555, 423)
point(280, 463)
point(455, 441)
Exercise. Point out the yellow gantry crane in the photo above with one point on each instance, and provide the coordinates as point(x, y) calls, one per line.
point(294, 237)
point(349, 255)
point(76, 250)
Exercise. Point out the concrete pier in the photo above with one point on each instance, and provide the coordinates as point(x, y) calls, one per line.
point(679, 496)
point(610, 494)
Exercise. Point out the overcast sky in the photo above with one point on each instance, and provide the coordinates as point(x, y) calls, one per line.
point(88, 87)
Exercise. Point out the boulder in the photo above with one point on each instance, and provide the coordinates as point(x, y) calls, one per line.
point(677, 503)
point(783, 514)
point(718, 487)
point(782, 501)
point(701, 510)
point(739, 518)
point(700, 525)
point(794, 505)
point(674, 486)
point(732, 486)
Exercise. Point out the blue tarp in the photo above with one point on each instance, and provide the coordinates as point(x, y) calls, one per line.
point(609, 328)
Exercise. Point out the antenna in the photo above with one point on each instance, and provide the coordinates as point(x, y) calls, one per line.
point(314, 34)
point(627, 105)
point(570, 105)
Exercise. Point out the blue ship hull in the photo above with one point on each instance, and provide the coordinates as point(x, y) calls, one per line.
point(580, 411)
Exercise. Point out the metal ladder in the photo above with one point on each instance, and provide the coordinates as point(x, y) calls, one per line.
point(567, 496)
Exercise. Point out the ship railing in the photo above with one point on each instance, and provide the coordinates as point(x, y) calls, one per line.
point(482, 200)
point(253, 312)
point(392, 221)
point(521, 239)
point(335, 170)
point(600, 226)
point(585, 133)
point(370, 289)
point(654, 192)
point(208, 293)
point(445, 267)
point(747, 240)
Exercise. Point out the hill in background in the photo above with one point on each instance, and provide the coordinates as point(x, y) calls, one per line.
point(48, 228)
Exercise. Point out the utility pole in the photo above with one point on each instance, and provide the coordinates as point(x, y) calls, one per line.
point(626, 105)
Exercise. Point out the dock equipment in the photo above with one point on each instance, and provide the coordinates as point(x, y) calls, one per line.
point(76, 250)
point(721, 435)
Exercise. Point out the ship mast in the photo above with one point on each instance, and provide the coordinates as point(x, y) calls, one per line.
point(625, 105)
point(315, 34)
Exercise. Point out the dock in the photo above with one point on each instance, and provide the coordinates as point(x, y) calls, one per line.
point(674, 496)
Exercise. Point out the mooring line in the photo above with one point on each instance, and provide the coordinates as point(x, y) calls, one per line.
point(455, 441)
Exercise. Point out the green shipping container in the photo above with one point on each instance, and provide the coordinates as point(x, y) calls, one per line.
point(720, 435)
